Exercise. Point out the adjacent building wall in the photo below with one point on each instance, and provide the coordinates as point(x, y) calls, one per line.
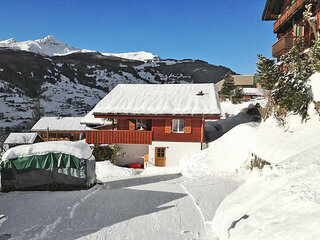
point(174, 151)
point(133, 153)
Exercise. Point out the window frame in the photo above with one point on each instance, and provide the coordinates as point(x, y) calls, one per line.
point(179, 121)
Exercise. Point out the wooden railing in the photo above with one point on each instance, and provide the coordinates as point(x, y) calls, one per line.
point(290, 12)
point(283, 45)
point(118, 136)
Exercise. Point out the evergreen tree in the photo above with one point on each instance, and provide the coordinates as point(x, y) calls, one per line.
point(227, 86)
point(268, 72)
point(237, 96)
point(315, 56)
point(291, 93)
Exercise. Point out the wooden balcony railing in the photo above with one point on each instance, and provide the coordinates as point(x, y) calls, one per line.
point(118, 136)
point(290, 12)
point(283, 45)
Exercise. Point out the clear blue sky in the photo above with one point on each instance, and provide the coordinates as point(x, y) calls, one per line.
point(221, 32)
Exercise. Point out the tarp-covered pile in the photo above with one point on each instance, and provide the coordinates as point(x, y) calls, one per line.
point(48, 166)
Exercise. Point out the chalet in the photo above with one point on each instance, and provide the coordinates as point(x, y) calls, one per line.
point(60, 128)
point(158, 124)
point(16, 139)
point(244, 81)
point(289, 23)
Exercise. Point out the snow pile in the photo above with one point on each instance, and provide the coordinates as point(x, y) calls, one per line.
point(139, 56)
point(160, 99)
point(233, 109)
point(106, 170)
point(77, 149)
point(226, 155)
point(314, 81)
point(280, 202)
point(47, 46)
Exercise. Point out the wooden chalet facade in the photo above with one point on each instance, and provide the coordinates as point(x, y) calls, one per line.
point(290, 23)
point(148, 125)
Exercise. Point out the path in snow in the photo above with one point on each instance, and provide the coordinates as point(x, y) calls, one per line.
point(151, 207)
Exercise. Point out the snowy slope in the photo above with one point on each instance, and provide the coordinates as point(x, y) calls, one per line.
point(139, 56)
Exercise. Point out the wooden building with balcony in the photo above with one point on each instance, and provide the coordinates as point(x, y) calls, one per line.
point(289, 23)
point(60, 128)
point(158, 123)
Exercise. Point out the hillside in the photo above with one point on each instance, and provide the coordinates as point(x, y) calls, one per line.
point(67, 81)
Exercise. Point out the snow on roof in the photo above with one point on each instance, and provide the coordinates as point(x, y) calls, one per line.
point(89, 119)
point(253, 91)
point(157, 99)
point(77, 149)
point(26, 138)
point(59, 124)
point(314, 82)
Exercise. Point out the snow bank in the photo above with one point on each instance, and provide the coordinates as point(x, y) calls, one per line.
point(106, 170)
point(77, 149)
point(314, 82)
point(233, 109)
point(280, 202)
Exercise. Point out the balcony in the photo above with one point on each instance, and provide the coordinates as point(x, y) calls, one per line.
point(118, 136)
point(282, 46)
point(297, 5)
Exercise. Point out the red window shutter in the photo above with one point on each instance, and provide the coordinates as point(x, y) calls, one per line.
point(187, 126)
point(167, 128)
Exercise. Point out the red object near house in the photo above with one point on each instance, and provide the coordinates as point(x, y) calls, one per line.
point(134, 165)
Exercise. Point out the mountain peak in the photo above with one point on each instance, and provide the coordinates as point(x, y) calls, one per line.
point(50, 38)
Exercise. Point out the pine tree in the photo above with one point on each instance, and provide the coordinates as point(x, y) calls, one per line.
point(227, 86)
point(237, 96)
point(268, 72)
point(315, 56)
point(291, 93)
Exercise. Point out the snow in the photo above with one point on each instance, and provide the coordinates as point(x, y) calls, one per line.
point(50, 46)
point(139, 56)
point(233, 109)
point(314, 81)
point(77, 149)
point(106, 170)
point(280, 202)
point(21, 138)
point(160, 99)
point(253, 91)
point(89, 119)
point(153, 170)
point(47, 46)
point(59, 124)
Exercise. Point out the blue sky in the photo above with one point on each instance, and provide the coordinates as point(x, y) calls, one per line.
point(221, 32)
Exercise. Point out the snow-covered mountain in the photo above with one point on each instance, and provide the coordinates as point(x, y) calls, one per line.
point(50, 46)
point(47, 46)
point(69, 82)
point(140, 56)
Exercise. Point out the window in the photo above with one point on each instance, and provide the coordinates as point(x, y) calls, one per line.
point(177, 125)
point(160, 152)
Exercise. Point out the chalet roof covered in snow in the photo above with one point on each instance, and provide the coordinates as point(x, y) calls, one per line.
point(160, 99)
point(17, 138)
point(59, 124)
point(89, 119)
